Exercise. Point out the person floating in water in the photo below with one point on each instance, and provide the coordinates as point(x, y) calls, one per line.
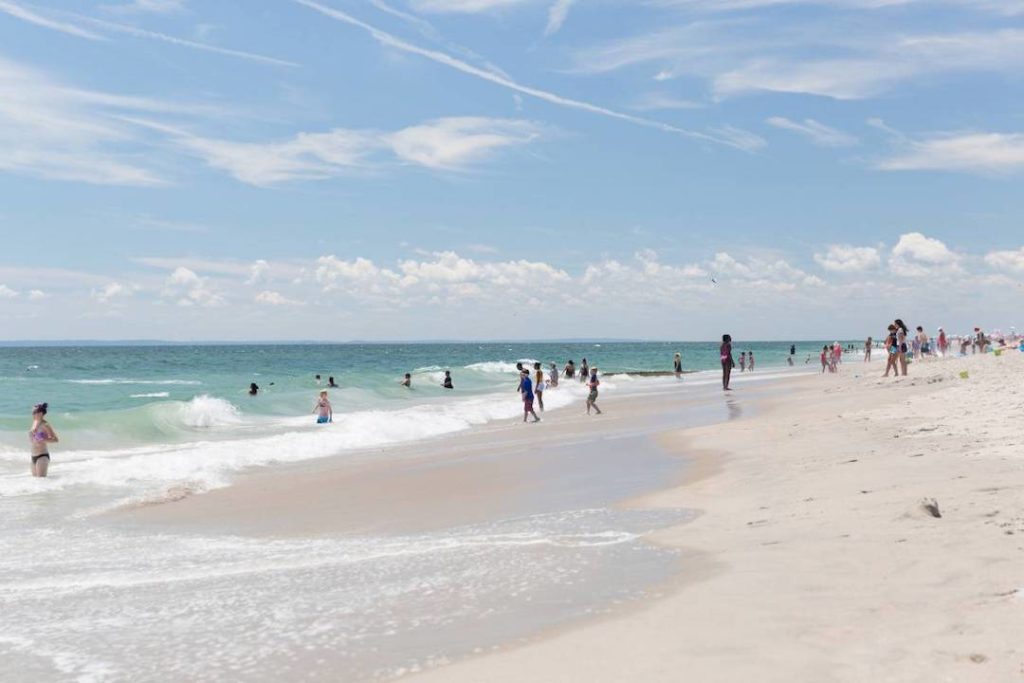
point(593, 383)
point(254, 389)
point(41, 436)
point(331, 384)
point(677, 365)
point(447, 383)
point(526, 389)
point(323, 410)
point(407, 381)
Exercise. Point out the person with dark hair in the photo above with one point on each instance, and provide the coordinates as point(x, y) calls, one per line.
point(447, 383)
point(526, 388)
point(539, 385)
point(725, 351)
point(41, 436)
point(254, 389)
point(892, 350)
point(593, 383)
point(570, 369)
point(407, 381)
point(584, 371)
point(677, 365)
point(331, 384)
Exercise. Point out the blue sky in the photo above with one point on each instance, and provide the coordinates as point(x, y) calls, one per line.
point(408, 169)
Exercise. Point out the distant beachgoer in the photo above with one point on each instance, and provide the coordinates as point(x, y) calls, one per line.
point(526, 388)
point(331, 384)
point(584, 371)
point(789, 361)
point(593, 384)
point(725, 352)
point(40, 436)
point(868, 345)
point(570, 370)
point(925, 341)
point(837, 353)
point(323, 410)
point(965, 342)
point(254, 389)
point(407, 381)
point(982, 340)
point(553, 375)
point(539, 385)
point(317, 378)
point(447, 383)
point(943, 342)
point(792, 350)
point(743, 361)
point(750, 360)
point(825, 352)
point(677, 365)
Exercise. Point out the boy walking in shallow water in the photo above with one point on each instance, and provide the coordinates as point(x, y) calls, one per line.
point(526, 388)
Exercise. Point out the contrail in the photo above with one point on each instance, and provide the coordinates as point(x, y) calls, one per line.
point(389, 40)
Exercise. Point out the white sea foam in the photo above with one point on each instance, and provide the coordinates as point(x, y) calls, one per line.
point(500, 366)
point(155, 394)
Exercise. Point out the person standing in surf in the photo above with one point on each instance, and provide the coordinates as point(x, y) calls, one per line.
point(41, 436)
point(539, 385)
point(677, 365)
point(725, 352)
point(553, 376)
point(593, 384)
point(526, 388)
point(447, 383)
point(323, 410)
point(584, 371)
point(750, 360)
point(570, 369)
point(743, 361)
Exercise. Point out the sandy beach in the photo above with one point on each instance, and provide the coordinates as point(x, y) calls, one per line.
point(818, 560)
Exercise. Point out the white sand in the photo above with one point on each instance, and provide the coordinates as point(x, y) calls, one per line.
point(814, 561)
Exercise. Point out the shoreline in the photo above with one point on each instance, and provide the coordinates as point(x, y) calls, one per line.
point(718, 625)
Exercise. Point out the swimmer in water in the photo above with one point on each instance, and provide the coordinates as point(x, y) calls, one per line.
point(553, 376)
point(323, 410)
point(254, 389)
point(447, 383)
point(41, 436)
point(331, 384)
point(407, 381)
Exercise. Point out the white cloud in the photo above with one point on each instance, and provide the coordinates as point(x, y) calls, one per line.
point(32, 17)
point(817, 132)
point(462, 6)
point(916, 255)
point(111, 292)
point(1012, 260)
point(147, 7)
point(740, 139)
point(258, 272)
point(37, 295)
point(843, 258)
point(450, 143)
point(7, 293)
point(189, 289)
point(968, 152)
point(271, 298)
point(557, 14)
point(453, 143)
point(663, 101)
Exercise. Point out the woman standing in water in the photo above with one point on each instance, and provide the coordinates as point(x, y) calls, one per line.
point(677, 365)
point(539, 385)
point(867, 349)
point(41, 436)
point(323, 410)
point(593, 383)
point(725, 351)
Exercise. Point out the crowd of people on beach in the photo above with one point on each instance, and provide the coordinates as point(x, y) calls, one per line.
point(900, 346)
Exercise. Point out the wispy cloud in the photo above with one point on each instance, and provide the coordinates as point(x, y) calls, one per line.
point(973, 152)
point(818, 133)
point(451, 144)
point(389, 40)
point(657, 101)
point(32, 17)
point(462, 6)
point(147, 7)
point(557, 14)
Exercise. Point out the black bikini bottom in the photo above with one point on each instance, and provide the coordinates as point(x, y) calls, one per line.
point(41, 455)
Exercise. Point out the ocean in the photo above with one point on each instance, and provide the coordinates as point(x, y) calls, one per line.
point(83, 600)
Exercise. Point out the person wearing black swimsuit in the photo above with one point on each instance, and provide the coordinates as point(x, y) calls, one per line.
point(41, 436)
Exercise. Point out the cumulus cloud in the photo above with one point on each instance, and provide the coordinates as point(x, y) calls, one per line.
point(916, 255)
point(844, 258)
point(187, 288)
point(258, 272)
point(111, 292)
point(271, 298)
point(37, 295)
point(1012, 260)
point(7, 293)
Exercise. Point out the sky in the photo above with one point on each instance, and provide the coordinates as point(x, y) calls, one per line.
point(509, 169)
